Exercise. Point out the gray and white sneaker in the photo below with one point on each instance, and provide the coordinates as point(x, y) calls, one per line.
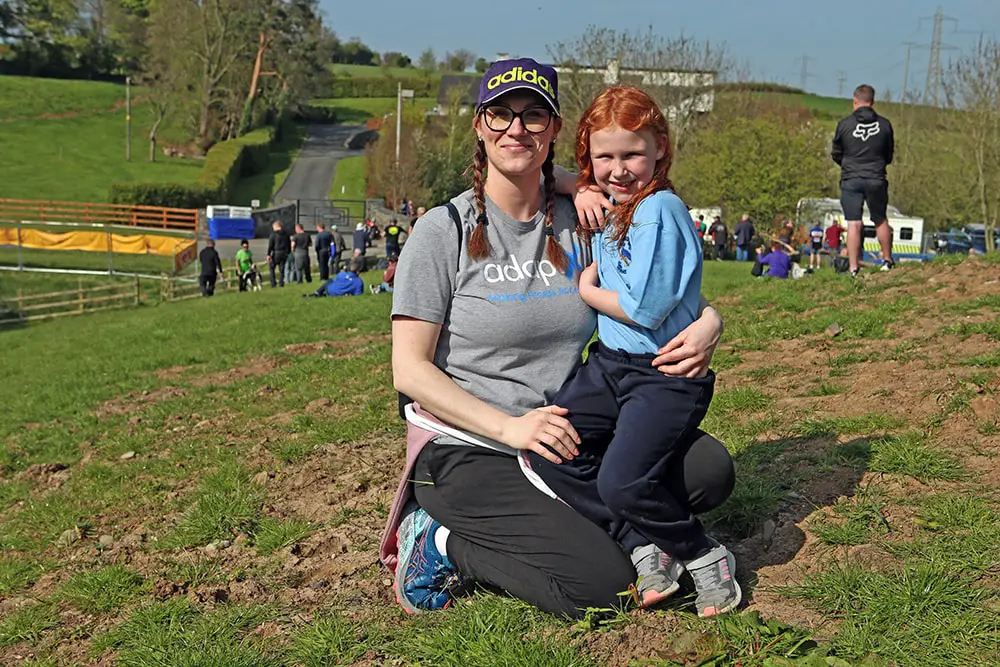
point(659, 574)
point(715, 582)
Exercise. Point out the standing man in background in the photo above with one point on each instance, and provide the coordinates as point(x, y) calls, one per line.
point(338, 249)
point(279, 246)
point(211, 267)
point(324, 243)
point(392, 232)
point(300, 249)
point(863, 146)
point(720, 237)
point(744, 235)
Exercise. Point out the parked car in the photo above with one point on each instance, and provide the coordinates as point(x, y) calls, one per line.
point(960, 240)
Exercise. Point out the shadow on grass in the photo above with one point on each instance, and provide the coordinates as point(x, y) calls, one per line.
point(778, 484)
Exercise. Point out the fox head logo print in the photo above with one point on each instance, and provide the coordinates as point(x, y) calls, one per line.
point(520, 74)
point(865, 131)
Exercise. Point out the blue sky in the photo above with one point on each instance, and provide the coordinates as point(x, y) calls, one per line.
point(863, 39)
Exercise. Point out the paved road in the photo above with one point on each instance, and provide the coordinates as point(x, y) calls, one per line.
point(312, 172)
point(309, 178)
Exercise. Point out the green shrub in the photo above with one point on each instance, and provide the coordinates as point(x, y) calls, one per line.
point(225, 164)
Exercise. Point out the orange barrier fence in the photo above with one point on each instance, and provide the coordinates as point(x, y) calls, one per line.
point(28, 210)
point(132, 244)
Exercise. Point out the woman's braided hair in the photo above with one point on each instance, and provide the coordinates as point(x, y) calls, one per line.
point(478, 245)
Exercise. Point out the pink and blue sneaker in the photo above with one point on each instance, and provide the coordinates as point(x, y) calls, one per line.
point(424, 576)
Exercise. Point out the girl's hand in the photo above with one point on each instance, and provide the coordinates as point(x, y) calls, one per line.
point(589, 276)
point(542, 431)
point(591, 204)
point(689, 353)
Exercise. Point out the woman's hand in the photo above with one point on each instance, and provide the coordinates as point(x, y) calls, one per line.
point(591, 204)
point(689, 353)
point(542, 431)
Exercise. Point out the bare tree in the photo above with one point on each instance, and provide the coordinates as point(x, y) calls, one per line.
point(973, 89)
point(680, 72)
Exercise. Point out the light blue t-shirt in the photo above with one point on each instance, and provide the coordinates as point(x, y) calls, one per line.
point(659, 287)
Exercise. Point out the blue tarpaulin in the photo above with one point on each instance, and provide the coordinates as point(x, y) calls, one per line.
point(230, 228)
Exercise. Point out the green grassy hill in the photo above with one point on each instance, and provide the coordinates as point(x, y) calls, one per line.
point(65, 140)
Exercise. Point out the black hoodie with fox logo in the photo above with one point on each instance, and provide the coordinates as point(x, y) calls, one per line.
point(863, 145)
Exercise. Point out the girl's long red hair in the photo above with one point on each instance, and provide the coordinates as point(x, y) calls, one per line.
point(630, 109)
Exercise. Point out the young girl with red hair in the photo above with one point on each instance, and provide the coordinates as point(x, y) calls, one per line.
point(645, 284)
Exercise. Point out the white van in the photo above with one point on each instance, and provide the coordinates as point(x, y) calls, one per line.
point(907, 231)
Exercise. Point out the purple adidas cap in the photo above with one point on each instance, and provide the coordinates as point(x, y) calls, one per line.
point(504, 76)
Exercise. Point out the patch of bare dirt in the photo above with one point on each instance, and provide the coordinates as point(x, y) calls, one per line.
point(352, 345)
point(171, 374)
point(251, 368)
point(136, 401)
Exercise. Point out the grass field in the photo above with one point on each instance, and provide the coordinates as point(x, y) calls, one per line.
point(176, 491)
point(349, 183)
point(66, 142)
point(375, 70)
point(28, 97)
point(356, 110)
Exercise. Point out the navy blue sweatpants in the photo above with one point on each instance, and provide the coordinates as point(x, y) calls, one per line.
point(636, 425)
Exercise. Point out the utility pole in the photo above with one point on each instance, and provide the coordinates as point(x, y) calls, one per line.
point(840, 84)
point(128, 119)
point(933, 85)
point(804, 74)
point(399, 118)
point(906, 70)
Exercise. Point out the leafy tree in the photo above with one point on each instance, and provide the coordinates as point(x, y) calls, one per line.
point(762, 162)
point(355, 52)
point(395, 59)
point(973, 89)
point(482, 65)
point(427, 61)
point(458, 61)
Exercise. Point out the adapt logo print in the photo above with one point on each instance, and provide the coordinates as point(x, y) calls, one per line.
point(865, 131)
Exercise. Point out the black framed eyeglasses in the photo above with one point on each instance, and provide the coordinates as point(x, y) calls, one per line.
point(499, 118)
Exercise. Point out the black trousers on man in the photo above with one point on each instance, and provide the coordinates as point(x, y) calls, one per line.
point(323, 258)
point(207, 283)
point(278, 265)
point(633, 422)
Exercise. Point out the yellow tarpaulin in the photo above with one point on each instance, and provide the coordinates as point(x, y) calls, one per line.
point(132, 244)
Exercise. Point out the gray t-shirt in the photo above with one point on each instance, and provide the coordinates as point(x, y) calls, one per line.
point(513, 327)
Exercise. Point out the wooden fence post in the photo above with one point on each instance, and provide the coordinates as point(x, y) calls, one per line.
point(137, 288)
point(20, 302)
point(80, 293)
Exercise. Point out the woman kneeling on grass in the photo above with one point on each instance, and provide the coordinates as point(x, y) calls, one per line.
point(486, 327)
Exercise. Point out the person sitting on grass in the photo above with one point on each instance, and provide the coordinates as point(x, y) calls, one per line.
point(345, 283)
point(389, 277)
point(778, 263)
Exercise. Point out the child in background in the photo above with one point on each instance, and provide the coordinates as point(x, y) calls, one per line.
point(778, 263)
point(815, 244)
point(633, 420)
